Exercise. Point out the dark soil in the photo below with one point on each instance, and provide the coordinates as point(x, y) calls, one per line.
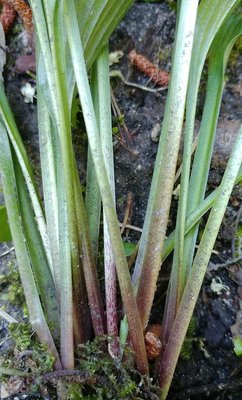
point(212, 370)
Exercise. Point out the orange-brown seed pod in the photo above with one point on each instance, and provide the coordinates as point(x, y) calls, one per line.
point(161, 78)
point(25, 13)
point(7, 16)
point(152, 342)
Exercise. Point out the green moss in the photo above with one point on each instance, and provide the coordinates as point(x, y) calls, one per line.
point(235, 53)
point(11, 287)
point(172, 4)
point(21, 335)
point(115, 380)
point(26, 342)
point(165, 54)
point(189, 340)
point(115, 130)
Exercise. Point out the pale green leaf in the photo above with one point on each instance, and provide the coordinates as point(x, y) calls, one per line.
point(5, 234)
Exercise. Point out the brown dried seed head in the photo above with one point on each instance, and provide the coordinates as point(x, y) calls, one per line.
point(7, 16)
point(155, 329)
point(153, 345)
point(132, 56)
point(25, 13)
point(148, 68)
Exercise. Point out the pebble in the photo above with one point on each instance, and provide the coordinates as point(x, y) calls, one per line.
point(155, 133)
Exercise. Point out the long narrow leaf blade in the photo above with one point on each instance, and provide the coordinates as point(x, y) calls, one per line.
point(36, 314)
point(79, 65)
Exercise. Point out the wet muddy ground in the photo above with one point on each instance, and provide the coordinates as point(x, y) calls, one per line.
point(211, 370)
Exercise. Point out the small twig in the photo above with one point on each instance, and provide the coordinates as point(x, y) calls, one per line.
point(121, 142)
point(213, 251)
point(134, 228)
point(5, 49)
point(118, 74)
point(128, 212)
point(75, 374)
point(5, 253)
point(8, 317)
point(118, 113)
point(13, 372)
point(215, 267)
point(24, 353)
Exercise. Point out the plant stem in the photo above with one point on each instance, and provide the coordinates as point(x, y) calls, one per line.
point(191, 292)
point(88, 262)
point(16, 140)
point(48, 144)
point(192, 192)
point(194, 217)
point(93, 196)
point(49, 23)
point(148, 260)
point(105, 123)
point(40, 267)
point(70, 245)
point(36, 315)
point(217, 62)
point(79, 66)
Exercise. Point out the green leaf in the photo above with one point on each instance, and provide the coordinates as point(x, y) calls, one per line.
point(79, 64)
point(5, 234)
point(211, 21)
point(36, 314)
point(129, 248)
point(193, 192)
point(101, 20)
point(238, 346)
point(17, 143)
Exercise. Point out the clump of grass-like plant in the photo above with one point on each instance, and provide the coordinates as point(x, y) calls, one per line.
point(56, 241)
